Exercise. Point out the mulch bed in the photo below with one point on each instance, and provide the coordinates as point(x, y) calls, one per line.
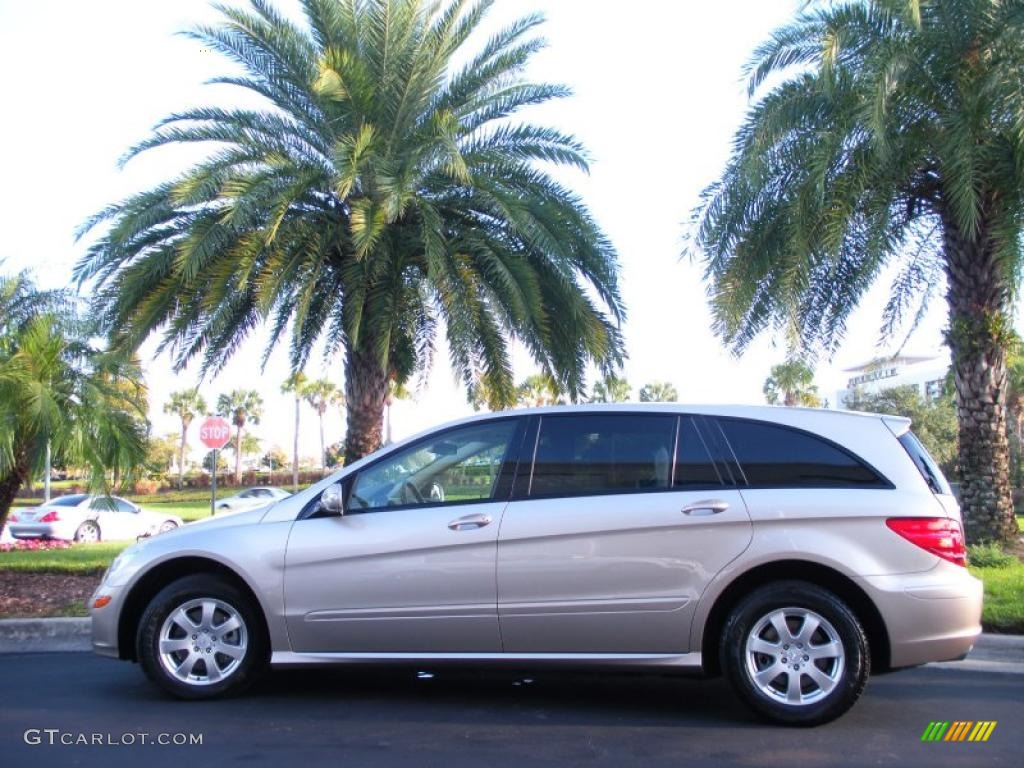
point(38, 595)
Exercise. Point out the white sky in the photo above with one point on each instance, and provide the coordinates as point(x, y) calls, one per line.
point(657, 97)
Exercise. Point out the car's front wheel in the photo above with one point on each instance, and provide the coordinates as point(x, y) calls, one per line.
point(795, 653)
point(167, 525)
point(201, 637)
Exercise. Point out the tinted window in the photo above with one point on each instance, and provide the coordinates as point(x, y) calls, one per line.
point(925, 463)
point(67, 501)
point(694, 467)
point(770, 455)
point(458, 465)
point(603, 453)
point(125, 506)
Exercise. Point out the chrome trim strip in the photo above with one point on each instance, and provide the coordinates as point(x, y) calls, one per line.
point(675, 660)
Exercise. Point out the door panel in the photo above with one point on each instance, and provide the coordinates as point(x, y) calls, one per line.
point(615, 573)
point(403, 580)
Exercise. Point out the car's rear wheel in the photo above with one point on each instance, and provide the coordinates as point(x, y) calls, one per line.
point(201, 637)
point(795, 653)
point(87, 533)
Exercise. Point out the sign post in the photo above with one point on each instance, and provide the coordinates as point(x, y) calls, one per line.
point(214, 434)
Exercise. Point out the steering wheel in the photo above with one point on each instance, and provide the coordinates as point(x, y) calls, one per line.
point(412, 490)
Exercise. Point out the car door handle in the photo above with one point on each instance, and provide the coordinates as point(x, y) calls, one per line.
point(469, 522)
point(705, 507)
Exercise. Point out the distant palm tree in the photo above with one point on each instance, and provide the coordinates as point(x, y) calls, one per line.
point(56, 388)
point(537, 390)
point(295, 384)
point(611, 389)
point(658, 392)
point(792, 383)
point(321, 394)
point(186, 404)
point(884, 133)
point(242, 406)
point(386, 190)
point(396, 391)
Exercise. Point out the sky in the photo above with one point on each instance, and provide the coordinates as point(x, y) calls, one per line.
point(657, 95)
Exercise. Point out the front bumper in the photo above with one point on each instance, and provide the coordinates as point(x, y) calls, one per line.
point(105, 621)
point(930, 616)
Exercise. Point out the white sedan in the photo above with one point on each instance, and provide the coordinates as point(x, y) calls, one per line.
point(84, 518)
point(251, 498)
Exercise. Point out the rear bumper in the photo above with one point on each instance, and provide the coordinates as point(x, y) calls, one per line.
point(39, 531)
point(930, 616)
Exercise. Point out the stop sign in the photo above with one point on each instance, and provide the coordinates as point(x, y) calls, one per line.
point(215, 433)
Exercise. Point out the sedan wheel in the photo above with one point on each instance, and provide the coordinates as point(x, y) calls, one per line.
point(795, 653)
point(168, 525)
point(87, 533)
point(201, 637)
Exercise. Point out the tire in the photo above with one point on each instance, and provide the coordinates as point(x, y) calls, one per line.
point(218, 663)
point(752, 647)
point(88, 533)
point(167, 525)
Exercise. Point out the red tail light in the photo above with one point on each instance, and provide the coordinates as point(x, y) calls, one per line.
point(939, 535)
point(12, 518)
point(50, 517)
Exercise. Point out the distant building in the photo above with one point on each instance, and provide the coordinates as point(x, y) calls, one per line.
point(928, 374)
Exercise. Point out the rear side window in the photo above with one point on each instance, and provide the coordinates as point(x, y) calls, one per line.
point(772, 456)
point(68, 501)
point(603, 453)
point(925, 463)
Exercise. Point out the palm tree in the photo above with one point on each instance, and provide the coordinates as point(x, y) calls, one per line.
point(611, 389)
point(242, 406)
point(396, 391)
point(295, 384)
point(186, 404)
point(658, 392)
point(537, 390)
point(792, 383)
point(884, 132)
point(381, 194)
point(88, 404)
point(321, 395)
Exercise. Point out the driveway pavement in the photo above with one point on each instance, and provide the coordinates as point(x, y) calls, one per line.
point(464, 718)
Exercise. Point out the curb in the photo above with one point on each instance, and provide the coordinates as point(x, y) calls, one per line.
point(45, 635)
point(992, 653)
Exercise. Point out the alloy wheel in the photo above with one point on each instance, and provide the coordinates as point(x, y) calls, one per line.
point(203, 641)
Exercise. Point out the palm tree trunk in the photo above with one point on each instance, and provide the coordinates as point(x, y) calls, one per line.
point(295, 449)
point(323, 452)
point(238, 456)
point(11, 483)
point(978, 319)
point(366, 387)
point(181, 459)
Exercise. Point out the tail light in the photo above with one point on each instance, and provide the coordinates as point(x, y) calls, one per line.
point(12, 518)
point(939, 535)
point(50, 517)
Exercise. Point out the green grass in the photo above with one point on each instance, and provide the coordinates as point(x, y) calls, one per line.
point(78, 559)
point(1004, 596)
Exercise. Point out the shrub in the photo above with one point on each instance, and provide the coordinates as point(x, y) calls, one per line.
point(989, 556)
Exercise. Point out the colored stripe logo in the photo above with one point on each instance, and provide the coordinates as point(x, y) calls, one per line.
point(959, 730)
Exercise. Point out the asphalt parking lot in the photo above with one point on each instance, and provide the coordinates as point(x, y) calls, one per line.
point(456, 718)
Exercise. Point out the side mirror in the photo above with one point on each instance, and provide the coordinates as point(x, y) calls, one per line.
point(332, 500)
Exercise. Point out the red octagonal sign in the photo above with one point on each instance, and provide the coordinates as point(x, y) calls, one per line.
point(215, 433)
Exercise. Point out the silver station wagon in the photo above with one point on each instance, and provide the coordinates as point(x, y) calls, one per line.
point(792, 550)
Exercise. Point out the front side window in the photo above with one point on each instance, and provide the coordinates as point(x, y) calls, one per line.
point(459, 465)
point(125, 506)
point(603, 453)
point(775, 456)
